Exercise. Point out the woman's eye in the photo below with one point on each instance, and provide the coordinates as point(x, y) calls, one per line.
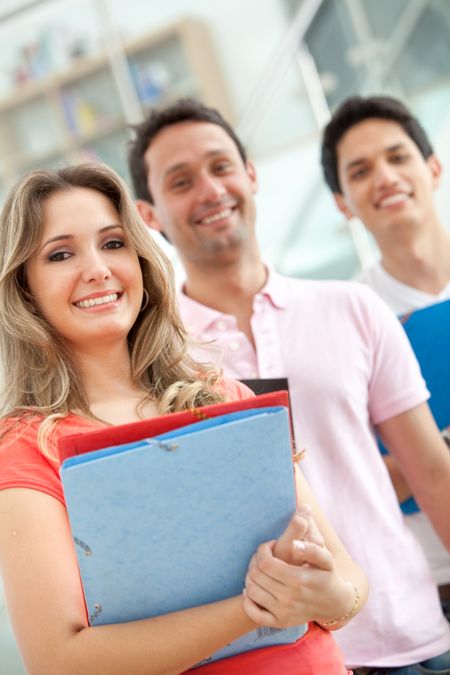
point(58, 255)
point(114, 243)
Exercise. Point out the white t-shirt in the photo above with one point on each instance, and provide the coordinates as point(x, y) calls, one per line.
point(349, 366)
point(402, 298)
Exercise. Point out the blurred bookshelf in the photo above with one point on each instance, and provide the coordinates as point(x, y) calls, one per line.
point(77, 113)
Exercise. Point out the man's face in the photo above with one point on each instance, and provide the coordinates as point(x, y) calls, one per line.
point(385, 180)
point(202, 190)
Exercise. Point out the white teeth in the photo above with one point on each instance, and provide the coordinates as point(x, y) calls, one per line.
point(97, 301)
point(393, 199)
point(226, 213)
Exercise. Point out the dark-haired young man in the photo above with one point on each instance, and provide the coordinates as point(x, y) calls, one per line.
point(349, 367)
point(381, 168)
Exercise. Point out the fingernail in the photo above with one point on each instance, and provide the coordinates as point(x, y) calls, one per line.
point(299, 545)
point(305, 509)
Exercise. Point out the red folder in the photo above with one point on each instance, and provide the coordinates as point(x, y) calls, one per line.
point(77, 444)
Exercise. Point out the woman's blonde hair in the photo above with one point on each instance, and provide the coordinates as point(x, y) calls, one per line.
point(39, 376)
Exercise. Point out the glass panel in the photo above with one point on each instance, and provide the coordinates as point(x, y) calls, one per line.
point(384, 15)
point(419, 66)
point(333, 45)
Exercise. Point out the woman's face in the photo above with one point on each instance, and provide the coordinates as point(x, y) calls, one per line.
point(85, 277)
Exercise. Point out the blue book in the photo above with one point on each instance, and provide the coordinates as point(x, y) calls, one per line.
point(171, 522)
point(428, 330)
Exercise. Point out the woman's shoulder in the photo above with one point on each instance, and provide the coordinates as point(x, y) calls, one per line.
point(234, 390)
point(23, 464)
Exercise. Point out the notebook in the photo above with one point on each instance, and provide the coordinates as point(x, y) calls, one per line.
point(171, 522)
point(77, 444)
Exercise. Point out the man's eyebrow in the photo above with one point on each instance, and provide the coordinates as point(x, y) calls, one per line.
point(64, 237)
point(184, 165)
point(362, 160)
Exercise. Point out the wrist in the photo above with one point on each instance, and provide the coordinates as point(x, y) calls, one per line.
point(353, 607)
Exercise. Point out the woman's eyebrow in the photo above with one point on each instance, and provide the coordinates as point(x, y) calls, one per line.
point(63, 237)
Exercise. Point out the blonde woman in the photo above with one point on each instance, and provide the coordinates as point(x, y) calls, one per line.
point(90, 336)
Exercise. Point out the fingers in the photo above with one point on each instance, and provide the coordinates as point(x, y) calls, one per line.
point(268, 576)
point(305, 552)
point(257, 614)
point(281, 594)
point(301, 527)
point(296, 530)
point(313, 534)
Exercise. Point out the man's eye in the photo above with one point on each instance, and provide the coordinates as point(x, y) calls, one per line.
point(58, 255)
point(114, 243)
point(359, 173)
point(399, 159)
point(222, 167)
point(180, 183)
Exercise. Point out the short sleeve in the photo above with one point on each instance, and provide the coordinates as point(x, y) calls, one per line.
point(396, 384)
point(23, 465)
point(235, 390)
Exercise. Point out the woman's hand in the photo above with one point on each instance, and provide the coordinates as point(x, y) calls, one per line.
point(293, 580)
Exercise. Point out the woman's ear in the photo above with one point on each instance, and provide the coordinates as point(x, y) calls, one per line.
point(148, 214)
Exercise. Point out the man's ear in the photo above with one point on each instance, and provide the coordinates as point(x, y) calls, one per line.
point(251, 172)
point(342, 205)
point(436, 170)
point(148, 214)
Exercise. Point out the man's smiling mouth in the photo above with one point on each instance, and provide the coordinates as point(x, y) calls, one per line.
point(393, 200)
point(220, 215)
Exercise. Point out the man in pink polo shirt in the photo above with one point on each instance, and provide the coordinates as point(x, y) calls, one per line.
point(349, 366)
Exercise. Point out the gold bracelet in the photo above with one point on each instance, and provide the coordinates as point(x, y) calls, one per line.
point(349, 614)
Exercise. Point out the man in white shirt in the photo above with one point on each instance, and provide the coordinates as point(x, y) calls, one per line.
point(381, 168)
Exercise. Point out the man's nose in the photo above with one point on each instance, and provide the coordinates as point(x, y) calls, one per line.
point(385, 175)
point(211, 188)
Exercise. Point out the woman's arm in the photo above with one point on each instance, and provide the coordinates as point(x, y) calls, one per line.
point(43, 591)
point(309, 564)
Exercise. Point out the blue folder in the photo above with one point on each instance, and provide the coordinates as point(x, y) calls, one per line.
point(428, 330)
point(169, 523)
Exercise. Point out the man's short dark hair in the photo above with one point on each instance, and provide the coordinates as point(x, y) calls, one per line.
point(182, 110)
point(358, 109)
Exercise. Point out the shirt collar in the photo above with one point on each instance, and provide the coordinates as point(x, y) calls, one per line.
point(275, 288)
point(199, 317)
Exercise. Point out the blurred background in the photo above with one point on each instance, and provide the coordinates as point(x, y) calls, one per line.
point(74, 74)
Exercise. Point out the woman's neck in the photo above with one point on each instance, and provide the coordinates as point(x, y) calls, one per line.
point(112, 395)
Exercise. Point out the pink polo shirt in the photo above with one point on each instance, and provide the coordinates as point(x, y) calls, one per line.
point(349, 366)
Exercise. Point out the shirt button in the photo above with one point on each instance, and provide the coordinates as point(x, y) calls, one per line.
point(234, 345)
point(221, 325)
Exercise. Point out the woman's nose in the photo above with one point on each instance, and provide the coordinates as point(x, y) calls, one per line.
point(96, 268)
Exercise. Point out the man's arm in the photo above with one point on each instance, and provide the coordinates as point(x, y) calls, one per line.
point(401, 486)
point(416, 443)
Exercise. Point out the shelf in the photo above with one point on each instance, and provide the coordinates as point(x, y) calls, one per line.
point(61, 116)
